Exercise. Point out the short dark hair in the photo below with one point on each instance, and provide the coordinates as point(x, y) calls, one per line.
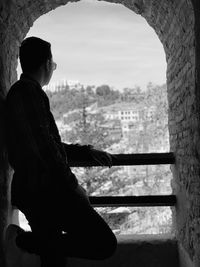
point(33, 53)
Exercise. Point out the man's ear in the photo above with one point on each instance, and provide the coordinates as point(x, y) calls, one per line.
point(47, 65)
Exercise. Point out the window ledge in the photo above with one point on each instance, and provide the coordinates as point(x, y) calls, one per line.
point(132, 251)
point(139, 251)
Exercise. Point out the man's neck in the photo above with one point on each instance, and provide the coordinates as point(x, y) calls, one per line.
point(38, 77)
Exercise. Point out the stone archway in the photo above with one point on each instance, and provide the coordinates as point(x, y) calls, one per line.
point(174, 23)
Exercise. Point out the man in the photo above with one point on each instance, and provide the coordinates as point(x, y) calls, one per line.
point(57, 208)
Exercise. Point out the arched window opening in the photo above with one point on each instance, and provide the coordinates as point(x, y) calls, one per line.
point(109, 91)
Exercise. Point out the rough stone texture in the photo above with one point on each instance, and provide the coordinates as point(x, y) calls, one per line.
point(4, 83)
point(177, 24)
point(192, 184)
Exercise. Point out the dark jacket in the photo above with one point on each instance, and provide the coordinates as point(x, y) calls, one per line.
point(35, 150)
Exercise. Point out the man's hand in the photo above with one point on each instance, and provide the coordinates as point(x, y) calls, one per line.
point(101, 157)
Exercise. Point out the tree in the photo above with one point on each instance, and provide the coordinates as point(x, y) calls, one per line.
point(106, 96)
point(103, 90)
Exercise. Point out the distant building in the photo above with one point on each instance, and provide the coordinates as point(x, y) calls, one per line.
point(122, 111)
point(56, 86)
point(62, 84)
point(127, 114)
point(114, 130)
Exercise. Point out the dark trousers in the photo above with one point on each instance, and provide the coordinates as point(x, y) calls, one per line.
point(71, 229)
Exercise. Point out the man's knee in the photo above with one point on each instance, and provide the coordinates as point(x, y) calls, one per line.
point(109, 246)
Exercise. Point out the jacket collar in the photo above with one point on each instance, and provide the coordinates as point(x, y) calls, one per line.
point(27, 77)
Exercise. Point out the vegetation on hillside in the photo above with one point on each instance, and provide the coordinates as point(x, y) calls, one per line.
point(148, 134)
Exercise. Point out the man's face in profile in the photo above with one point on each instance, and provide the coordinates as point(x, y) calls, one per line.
point(50, 67)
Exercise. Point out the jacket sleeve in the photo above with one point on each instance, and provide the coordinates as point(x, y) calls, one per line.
point(77, 152)
point(31, 115)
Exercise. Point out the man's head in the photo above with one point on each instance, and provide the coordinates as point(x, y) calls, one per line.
point(36, 57)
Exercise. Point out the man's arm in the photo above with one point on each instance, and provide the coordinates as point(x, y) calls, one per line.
point(77, 152)
point(86, 153)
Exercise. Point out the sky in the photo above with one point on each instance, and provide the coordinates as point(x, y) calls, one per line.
point(95, 43)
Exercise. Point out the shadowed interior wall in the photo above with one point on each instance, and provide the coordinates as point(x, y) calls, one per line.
point(176, 23)
point(192, 186)
point(7, 74)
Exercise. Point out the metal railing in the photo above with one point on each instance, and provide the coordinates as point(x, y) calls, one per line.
point(133, 201)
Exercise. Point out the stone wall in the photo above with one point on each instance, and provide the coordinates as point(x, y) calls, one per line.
point(193, 180)
point(4, 83)
point(177, 25)
point(174, 21)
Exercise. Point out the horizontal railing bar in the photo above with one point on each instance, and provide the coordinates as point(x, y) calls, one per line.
point(132, 159)
point(143, 159)
point(133, 201)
